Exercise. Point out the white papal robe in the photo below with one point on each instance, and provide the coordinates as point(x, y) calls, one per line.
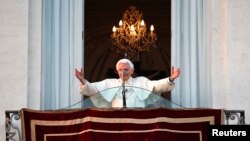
point(109, 91)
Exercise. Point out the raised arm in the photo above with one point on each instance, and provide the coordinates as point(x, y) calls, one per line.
point(86, 88)
point(166, 84)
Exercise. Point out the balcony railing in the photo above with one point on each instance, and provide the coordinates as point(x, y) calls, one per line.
point(235, 117)
point(12, 126)
point(13, 122)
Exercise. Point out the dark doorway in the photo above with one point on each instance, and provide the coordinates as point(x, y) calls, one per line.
point(99, 58)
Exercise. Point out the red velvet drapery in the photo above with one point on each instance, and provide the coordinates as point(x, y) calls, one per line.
point(119, 124)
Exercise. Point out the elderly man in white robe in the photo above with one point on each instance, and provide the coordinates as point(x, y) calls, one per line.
point(137, 90)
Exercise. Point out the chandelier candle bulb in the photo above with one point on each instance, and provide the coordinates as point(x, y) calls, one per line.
point(114, 29)
point(120, 23)
point(152, 28)
point(142, 23)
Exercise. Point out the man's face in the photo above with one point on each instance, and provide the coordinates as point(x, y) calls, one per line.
point(124, 67)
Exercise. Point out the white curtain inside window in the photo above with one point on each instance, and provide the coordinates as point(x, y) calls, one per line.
point(62, 51)
point(191, 51)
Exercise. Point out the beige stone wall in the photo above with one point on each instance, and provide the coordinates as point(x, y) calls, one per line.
point(20, 53)
point(13, 57)
point(231, 55)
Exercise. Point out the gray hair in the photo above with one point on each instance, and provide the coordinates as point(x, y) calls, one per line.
point(125, 61)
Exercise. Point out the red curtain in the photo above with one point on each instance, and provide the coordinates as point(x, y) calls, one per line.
point(119, 124)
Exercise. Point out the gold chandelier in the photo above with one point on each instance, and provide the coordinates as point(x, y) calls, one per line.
point(131, 36)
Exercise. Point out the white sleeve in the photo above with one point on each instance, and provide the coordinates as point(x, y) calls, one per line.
point(162, 85)
point(88, 89)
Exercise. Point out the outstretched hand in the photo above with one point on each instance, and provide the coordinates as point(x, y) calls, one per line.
point(174, 73)
point(80, 75)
